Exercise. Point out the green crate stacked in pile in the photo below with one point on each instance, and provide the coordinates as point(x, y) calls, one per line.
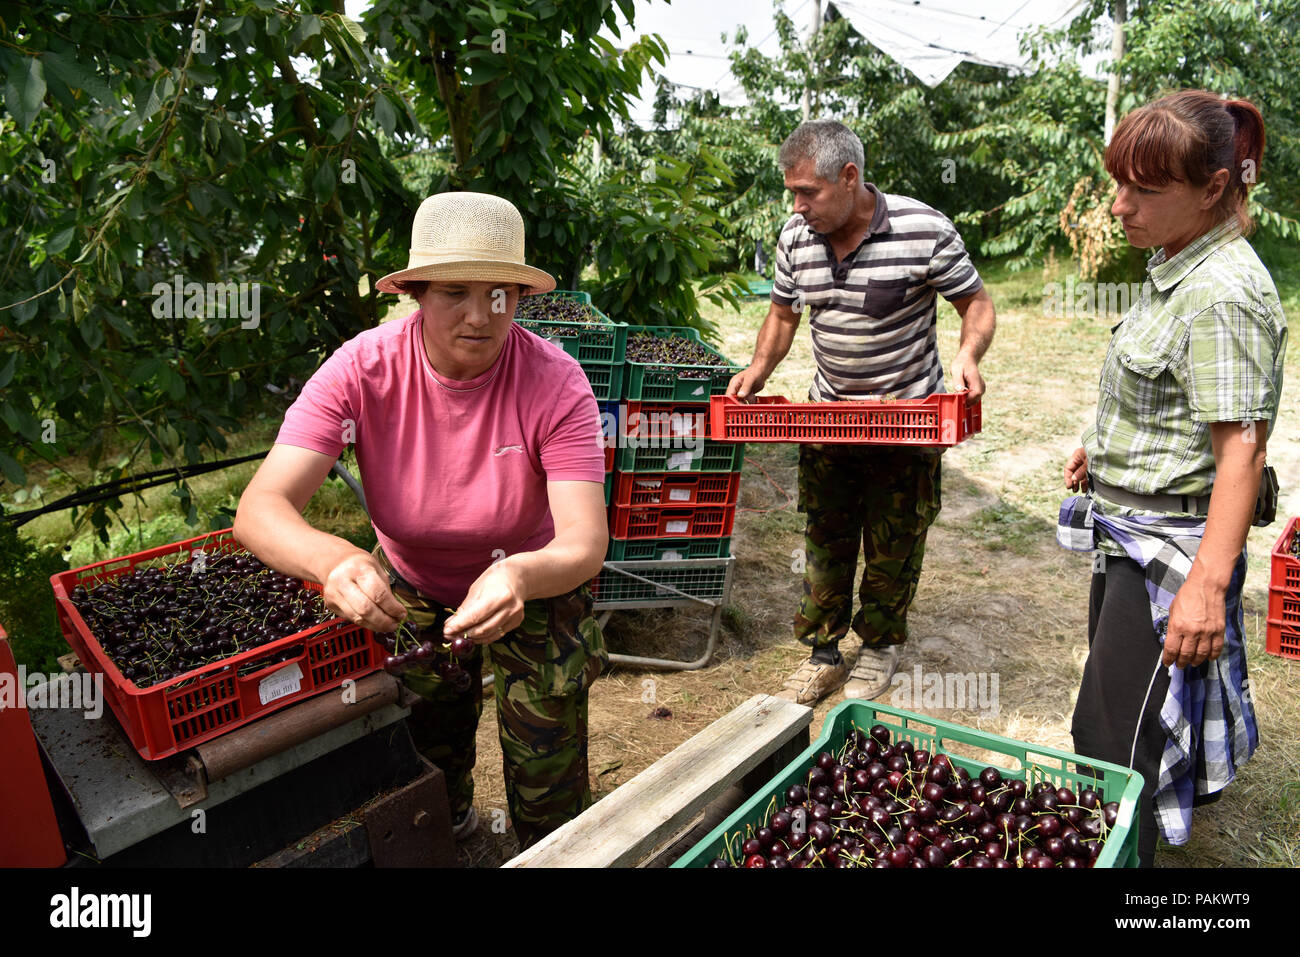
point(674, 496)
point(567, 319)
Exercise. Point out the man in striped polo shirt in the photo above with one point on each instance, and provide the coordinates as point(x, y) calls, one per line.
point(868, 266)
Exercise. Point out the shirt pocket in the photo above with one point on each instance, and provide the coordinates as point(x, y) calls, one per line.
point(884, 297)
point(1137, 377)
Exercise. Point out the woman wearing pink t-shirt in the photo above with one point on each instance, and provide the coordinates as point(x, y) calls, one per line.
point(479, 450)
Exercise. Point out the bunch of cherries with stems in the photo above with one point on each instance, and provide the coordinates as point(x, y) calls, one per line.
point(878, 804)
point(406, 650)
point(159, 622)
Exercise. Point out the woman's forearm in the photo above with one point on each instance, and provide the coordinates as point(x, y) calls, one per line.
point(270, 527)
point(571, 559)
point(1239, 462)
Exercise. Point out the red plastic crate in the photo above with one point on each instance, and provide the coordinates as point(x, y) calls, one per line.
point(939, 420)
point(666, 420)
point(1283, 642)
point(1282, 637)
point(676, 488)
point(609, 459)
point(207, 702)
point(664, 522)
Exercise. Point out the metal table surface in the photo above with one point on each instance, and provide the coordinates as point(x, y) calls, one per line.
point(119, 797)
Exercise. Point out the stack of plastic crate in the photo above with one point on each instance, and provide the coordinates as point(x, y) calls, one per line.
point(674, 490)
point(1283, 633)
point(598, 343)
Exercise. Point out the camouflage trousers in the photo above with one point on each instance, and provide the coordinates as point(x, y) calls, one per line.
point(542, 670)
point(883, 499)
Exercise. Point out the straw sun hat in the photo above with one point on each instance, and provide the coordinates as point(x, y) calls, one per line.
point(472, 237)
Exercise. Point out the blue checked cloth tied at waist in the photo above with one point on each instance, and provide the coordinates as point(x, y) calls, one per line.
point(1207, 715)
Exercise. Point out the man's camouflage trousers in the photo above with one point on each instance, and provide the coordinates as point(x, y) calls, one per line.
point(882, 499)
point(542, 670)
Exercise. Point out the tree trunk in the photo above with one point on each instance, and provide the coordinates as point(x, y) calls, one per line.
point(1120, 14)
point(812, 37)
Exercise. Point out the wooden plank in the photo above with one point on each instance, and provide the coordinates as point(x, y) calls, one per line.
point(698, 828)
point(666, 797)
point(722, 807)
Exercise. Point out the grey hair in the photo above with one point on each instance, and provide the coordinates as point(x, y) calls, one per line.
point(828, 143)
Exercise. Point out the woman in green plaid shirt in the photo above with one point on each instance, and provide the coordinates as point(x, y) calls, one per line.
point(1189, 393)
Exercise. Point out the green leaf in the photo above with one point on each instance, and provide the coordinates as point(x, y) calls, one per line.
point(172, 382)
point(151, 106)
point(25, 91)
point(353, 28)
point(12, 470)
point(76, 77)
point(308, 27)
point(232, 141)
point(25, 312)
point(92, 333)
point(79, 304)
point(324, 181)
point(59, 241)
point(7, 370)
point(384, 114)
point(145, 370)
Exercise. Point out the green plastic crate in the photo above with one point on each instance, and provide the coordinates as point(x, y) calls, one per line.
point(662, 583)
point(604, 344)
point(710, 457)
point(606, 380)
point(658, 382)
point(1117, 783)
point(609, 486)
point(578, 294)
point(667, 549)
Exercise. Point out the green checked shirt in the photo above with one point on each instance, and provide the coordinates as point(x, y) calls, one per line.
point(1204, 343)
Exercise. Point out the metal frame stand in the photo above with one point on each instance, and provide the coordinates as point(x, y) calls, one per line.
point(675, 598)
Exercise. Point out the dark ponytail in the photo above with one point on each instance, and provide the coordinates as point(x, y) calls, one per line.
point(1248, 150)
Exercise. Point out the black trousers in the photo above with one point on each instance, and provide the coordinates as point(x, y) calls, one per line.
point(1122, 654)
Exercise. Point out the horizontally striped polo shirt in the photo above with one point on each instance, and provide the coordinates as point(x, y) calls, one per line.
point(873, 315)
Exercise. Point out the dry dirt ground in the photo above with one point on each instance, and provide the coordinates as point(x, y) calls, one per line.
point(997, 597)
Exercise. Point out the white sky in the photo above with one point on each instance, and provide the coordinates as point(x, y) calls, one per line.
point(693, 29)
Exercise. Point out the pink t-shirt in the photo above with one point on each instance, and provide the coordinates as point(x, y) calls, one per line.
point(454, 472)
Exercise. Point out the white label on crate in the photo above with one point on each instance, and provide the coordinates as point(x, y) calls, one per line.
point(680, 461)
point(286, 681)
point(699, 390)
point(679, 495)
point(671, 557)
point(677, 528)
